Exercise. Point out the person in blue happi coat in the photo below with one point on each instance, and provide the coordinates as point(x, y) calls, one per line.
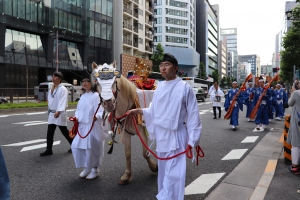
point(271, 107)
point(248, 98)
point(4, 179)
point(238, 105)
point(262, 116)
point(280, 101)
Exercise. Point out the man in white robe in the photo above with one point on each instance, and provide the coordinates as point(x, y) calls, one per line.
point(57, 115)
point(215, 96)
point(173, 120)
point(88, 152)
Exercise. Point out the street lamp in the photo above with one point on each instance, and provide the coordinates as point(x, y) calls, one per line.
point(53, 35)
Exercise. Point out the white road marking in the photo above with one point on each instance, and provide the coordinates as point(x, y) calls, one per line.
point(28, 122)
point(235, 154)
point(36, 113)
point(4, 115)
point(250, 139)
point(71, 110)
point(25, 143)
point(37, 123)
point(38, 146)
point(203, 183)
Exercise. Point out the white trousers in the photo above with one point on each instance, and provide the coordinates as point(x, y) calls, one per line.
point(295, 155)
point(89, 158)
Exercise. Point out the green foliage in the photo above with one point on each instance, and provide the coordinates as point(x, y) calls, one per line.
point(157, 57)
point(202, 71)
point(291, 45)
point(215, 75)
point(28, 105)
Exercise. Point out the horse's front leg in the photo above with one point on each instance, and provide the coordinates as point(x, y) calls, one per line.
point(152, 165)
point(126, 140)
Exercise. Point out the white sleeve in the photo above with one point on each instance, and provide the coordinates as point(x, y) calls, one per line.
point(193, 122)
point(63, 100)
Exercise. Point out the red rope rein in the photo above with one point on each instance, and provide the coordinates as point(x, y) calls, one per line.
point(75, 121)
point(188, 151)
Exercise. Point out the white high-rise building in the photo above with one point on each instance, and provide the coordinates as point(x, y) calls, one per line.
point(175, 29)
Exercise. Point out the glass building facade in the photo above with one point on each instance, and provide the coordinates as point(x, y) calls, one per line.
point(27, 27)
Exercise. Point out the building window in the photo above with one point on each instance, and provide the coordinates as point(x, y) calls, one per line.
point(176, 39)
point(141, 26)
point(158, 38)
point(158, 29)
point(158, 20)
point(140, 41)
point(140, 12)
point(176, 30)
point(176, 4)
point(176, 21)
point(176, 12)
point(158, 11)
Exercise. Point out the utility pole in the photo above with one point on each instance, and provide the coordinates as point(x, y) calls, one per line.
point(294, 71)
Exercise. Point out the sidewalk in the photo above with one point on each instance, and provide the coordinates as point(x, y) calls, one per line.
point(252, 177)
point(28, 110)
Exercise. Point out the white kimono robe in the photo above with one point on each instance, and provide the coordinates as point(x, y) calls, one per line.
point(173, 120)
point(89, 152)
point(213, 95)
point(58, 101)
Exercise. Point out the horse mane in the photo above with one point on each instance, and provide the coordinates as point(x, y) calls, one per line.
point(127, 88)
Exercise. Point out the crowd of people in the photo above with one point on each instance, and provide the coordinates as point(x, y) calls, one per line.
point(269, 101)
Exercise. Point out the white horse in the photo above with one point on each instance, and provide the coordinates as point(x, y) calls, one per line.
point(118, 96)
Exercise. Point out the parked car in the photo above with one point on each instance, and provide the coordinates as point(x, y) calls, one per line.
point(200, 94)
point(46, 86)
point(3, 100)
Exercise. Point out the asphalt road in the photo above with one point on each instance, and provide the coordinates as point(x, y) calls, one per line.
point(55, 177)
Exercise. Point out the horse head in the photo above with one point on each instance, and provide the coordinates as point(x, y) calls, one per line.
point(106, 76)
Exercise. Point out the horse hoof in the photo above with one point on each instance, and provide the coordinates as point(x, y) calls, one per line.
point(125, 179)
point(154, 168)
point(123, 182)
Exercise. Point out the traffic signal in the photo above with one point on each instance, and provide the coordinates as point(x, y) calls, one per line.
point(276, 69)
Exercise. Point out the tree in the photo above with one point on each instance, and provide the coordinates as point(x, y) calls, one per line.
point(202, 72)
point(291, 45)
point(215, 75)
point(223, 82)
point(157, 57)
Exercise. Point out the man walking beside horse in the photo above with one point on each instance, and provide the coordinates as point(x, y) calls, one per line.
point(173, 120)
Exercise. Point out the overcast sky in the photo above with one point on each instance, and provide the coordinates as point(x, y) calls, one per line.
point(257, 23)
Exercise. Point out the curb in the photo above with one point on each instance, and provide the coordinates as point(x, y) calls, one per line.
point(28, 110)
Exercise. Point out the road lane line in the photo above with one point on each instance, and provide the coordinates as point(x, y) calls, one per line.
point(4, 115)
point(38, 146)
point(250, 139)
point(71, 110)
point(37, 123)
point(36, 113)
point(28, 122)
point(25, 143)
point(203, 183)
point(235, 154)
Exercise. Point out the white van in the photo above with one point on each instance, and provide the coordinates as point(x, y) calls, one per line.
point(46, 86)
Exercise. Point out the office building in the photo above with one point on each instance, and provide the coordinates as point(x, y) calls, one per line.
point(222, 62)
point(254, 60)
point(230, 63)
point(244, 69)
point(28, 43)
point(207, 29)
point(267, 70)
point(231, 36)
point(175, 29)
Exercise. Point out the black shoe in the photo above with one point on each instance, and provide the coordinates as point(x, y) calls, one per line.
point(215, 117)
point(219, 116)
point(70, 151)
point(46, 153)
